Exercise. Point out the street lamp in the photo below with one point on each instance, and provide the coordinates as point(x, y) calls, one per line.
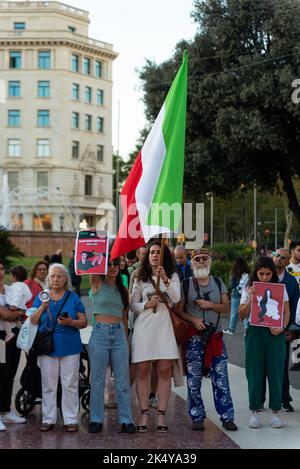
point(61, 218)
point(211, 195)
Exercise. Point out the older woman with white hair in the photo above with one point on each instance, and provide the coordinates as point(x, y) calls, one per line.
point(65, 313)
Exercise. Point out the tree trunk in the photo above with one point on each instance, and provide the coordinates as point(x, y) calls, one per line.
point(289, 189)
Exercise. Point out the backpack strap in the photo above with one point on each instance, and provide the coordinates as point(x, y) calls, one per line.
point(186, 287)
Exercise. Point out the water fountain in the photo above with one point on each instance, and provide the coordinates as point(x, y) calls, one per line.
point(41, 209)
point(4, 217)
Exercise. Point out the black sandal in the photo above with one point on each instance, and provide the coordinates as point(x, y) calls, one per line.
point(143, 428)
point(162, 428)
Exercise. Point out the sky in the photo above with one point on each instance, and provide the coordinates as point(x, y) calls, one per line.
point(138, 30)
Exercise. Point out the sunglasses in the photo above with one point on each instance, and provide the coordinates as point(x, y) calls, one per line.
point(201, 258)
point(113, 263)
point(281, 257)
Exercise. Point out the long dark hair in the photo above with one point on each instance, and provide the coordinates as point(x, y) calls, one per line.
point(145, 272)
point(239, 267)
point(120, 286)
point(263, 262)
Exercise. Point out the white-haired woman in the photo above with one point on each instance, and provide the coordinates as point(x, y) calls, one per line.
point(66, 311)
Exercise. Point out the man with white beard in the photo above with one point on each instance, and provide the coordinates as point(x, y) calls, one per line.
point(203, 300)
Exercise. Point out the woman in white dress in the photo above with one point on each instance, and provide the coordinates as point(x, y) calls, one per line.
point(153, 336)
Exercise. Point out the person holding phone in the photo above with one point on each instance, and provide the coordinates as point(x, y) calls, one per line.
point(66, 311)
point(109, 343)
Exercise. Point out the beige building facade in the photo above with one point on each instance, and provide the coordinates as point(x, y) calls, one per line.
point(56, 121)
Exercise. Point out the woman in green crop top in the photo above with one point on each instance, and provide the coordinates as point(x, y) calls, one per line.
point(109, 344)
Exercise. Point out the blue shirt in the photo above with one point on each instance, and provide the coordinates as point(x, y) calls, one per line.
point(66, 339)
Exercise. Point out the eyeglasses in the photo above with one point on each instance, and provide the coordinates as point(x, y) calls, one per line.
point(42, 268)
point(281, 257)
point(201, 258)
point(114, 263)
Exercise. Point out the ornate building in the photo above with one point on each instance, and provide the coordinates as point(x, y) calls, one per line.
point(55, 123)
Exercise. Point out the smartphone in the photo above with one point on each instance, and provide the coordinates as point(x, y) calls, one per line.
point(64, 315)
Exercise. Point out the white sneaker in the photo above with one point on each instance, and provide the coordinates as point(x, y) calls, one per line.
point(2, 426)
point(276, 422)
point(254, 421)
point(153, 402)
point(12, 417)
point(228, 332)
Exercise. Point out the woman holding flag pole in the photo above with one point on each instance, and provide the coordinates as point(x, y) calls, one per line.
point(155, 181)
point(153, 337)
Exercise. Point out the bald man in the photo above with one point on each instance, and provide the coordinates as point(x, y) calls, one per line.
point(183, 265)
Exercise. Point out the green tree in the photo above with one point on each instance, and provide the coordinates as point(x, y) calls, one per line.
point(242, 126)
point(7, 248)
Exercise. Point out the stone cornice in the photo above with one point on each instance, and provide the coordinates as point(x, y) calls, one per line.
point(75, 45)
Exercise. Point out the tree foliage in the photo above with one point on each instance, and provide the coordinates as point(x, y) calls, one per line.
point(242, 125)
point(7, 248)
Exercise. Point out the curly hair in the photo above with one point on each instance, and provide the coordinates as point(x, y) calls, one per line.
point(145, 271)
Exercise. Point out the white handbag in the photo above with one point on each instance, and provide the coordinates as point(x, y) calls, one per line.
point(27, 335)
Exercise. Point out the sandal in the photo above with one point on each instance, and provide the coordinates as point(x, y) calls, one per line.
point(71, 428)
point(162, 428)
point(46, 427)
point(143, 428)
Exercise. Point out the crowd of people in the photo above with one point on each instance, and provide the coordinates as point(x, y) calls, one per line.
point(133, 334)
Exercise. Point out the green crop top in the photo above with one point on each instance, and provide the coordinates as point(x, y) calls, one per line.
point(107, 301)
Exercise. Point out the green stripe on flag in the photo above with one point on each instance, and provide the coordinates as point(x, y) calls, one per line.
point(170, 184)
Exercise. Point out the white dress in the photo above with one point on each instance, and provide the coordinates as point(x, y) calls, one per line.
point(153, 336)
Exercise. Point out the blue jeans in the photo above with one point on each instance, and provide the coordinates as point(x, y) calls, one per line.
point(234, 309)
point(108, 343)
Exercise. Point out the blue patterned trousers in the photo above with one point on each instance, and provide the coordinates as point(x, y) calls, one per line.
point(219, 378)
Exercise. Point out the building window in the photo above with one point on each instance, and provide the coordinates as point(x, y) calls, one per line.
point(100, 153)
point(42, 179)
point(88, 185)
point(15, 59)
point(19, 26)
point(100, 124)
point(14, 89)
point(75, 149)
point(75, 91)
point(75, 120)
point(14, 147)
point(13, 180)
point(86, 66)
point(100, 97)
point(98, 69)
point(88, 122)
point(43, 117)
point(43, 89)
point(71, 29)
point(75, 63)
point(43, 147)
point(88, 94)
point(14, 118)
point(44, 59)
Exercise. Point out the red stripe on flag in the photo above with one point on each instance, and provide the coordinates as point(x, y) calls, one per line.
point(130, 236)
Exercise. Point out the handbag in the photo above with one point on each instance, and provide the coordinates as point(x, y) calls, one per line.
point(27, 335)
point(180, 326)
point(44, 343)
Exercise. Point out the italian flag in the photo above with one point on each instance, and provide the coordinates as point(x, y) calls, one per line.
point(157, 175)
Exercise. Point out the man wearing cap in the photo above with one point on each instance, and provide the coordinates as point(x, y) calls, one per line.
point(203, 300)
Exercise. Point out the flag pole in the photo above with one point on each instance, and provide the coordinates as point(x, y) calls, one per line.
point(162, 248)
